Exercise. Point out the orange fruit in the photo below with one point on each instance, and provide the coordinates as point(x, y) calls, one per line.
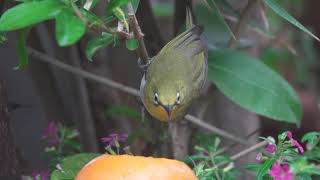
point(127, 167)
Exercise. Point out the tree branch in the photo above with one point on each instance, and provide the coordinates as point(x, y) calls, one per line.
point(244, 152)
point(241, 23)
point(142, 51)
point(84, 74)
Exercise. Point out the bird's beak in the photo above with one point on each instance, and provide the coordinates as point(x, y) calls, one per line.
point(168, 109)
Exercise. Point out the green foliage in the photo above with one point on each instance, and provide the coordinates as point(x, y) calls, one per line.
point(132, 44)
point(285, 15)
point(254, 86)
point(114, 4)
point(216, 32)
point(69, 28)
point(98, 43)
point(21, 49)
point(29, 13)
point(71, 165)
point(162, 9)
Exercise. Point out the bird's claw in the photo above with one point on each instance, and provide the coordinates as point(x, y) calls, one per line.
point(144, 66)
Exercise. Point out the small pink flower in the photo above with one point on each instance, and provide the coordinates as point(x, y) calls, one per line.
point(280, 172)
point(259, 157)
point(295, 142)
point(271, 148)
point(112, 138)
point(51, 134)
point(43, 175)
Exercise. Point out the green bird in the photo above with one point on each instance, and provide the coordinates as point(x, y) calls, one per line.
point(176, 75)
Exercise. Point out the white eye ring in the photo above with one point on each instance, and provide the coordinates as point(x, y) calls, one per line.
point(156, 99)
point(178, 99)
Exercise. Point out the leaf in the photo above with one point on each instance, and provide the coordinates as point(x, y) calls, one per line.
point(132, 44)
point(254, 86)
point(71, 165)
point(21, 50)
point(162, 9)
point(285, 15)
point(216, 32)
point(113, 4)
point(312, 137)
point(212, 5)
point(3, 37)
point(265, 168)
point(135, 4)
point(29, 13)
point(69, 28)
point(119, 13)
point(97, 43)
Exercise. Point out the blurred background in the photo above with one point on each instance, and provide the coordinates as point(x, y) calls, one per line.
point(42, 93)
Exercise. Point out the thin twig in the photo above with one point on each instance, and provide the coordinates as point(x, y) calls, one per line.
point(226, 148)
point(84, 74)
point(142, 50)
point(244, 152)
point(211, 128)
point(241, 23)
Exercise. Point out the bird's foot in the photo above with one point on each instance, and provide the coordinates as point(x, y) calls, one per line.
point(144, 66)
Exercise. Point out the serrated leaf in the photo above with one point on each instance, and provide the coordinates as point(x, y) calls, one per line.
point(285, 15)
point(97, 43)
point(69, 28)
point(29, 13)
point(71, 165)
point(21, 50)
point(132, 44)
point(253, 85)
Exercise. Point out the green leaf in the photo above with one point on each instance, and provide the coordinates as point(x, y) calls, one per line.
point(71, 165)
point(254, 86)
point(119, 13)
point(132, 44)
point(285, 15)
point(97, 43)
point(69, 28)
point(265, 168)
point(212, 5)
point(21, 50)
point(135, 4)
point(29, 13)
point(216, 32)
point(113, 4)
point(162, 9)
point(312, 137)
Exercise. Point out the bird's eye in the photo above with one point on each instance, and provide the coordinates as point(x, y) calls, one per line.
point(156, 99)
point(178, 101)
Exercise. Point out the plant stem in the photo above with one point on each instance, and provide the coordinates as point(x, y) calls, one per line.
point(142, 51)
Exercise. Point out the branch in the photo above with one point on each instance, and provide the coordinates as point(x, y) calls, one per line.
point(142, 51)
point(84, 74)
point(244, 152)
point(241, 23)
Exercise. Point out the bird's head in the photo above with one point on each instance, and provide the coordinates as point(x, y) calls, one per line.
point(166, 101)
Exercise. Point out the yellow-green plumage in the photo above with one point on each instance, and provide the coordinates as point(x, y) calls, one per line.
point(176, 75)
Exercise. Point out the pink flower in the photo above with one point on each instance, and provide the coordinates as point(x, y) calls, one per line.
point(43, 175)
point(295, 142)
point(51, 134)
point(280, 172)
point(271, 148)
point(112, 138)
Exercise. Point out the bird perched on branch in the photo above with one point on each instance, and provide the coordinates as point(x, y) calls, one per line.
point(176, 75)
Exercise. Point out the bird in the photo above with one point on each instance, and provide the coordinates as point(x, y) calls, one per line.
point(176, 76)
